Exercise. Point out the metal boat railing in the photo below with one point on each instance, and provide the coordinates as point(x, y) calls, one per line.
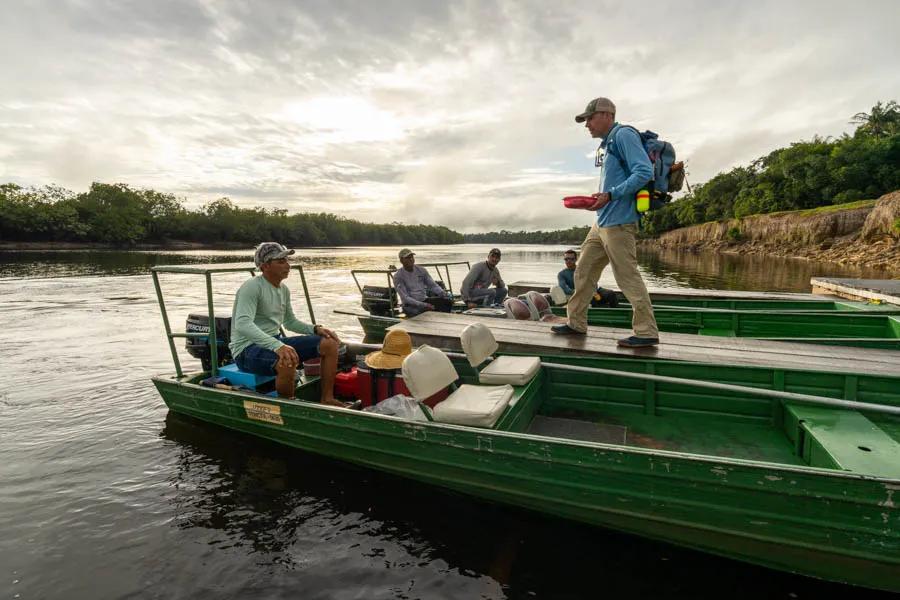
point(389, 272)
point(207, 273)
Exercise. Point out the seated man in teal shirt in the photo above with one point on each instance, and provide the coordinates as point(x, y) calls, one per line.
point(262, 306)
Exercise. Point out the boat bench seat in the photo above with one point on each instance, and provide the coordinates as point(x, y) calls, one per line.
point(842, 439)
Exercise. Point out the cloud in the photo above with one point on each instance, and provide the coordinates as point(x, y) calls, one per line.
point(456, 113)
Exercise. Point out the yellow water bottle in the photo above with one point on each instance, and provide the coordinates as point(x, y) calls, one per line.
point(643, 201)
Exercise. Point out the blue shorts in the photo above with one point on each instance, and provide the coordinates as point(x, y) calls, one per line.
point(261, 361)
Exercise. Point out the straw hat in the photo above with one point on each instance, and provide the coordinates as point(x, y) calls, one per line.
point(397, 346)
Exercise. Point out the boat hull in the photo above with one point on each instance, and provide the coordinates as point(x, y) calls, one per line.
point(864, 330)
point(818, 522)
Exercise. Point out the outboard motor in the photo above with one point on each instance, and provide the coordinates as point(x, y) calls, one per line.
point(376, 300)
point(199, 347)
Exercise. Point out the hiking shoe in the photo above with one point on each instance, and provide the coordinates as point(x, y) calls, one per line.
point(638, 342)
point(565, 330)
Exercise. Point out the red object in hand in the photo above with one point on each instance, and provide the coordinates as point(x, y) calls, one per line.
point(579, 201)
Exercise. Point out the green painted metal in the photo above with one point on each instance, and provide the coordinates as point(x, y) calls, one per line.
point(207, 272)
point(829, 328)
point(720, 464)
point(775, 305)
point(720, 471)
point(865, 330)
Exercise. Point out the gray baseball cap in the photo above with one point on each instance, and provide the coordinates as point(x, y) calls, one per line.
point(270, 251)
point(594, 106)
point(406, 252)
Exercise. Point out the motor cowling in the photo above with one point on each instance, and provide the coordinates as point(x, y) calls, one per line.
point(199, 347)
point(377, 300)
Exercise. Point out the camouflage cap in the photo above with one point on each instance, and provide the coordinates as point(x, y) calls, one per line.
point(594, 106)
point(270, 251)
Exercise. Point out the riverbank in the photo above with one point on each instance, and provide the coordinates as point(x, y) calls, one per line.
point(864, 234)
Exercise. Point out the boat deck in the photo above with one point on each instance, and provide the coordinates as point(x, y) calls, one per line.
point(884, 290)
point(761, 442)
point(442, 330)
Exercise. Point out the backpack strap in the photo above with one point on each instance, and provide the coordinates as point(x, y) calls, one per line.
point(612, 148)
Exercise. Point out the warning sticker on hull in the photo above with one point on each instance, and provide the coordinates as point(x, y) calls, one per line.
point(270, 413)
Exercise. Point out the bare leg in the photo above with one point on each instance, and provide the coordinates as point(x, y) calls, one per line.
point(328, 349)
point(285, 379)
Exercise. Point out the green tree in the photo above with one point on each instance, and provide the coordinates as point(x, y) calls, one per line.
point(883, 119)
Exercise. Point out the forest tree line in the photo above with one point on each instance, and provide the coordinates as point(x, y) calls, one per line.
point(121, 215)
point(808, 174)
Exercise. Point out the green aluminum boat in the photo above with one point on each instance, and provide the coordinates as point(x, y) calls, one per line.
point(833, 329)
point(864, 330)
point(775, 306)
point(784, 317)
point(752, 463)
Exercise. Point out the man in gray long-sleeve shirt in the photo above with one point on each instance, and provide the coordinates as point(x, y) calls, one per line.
point(476, 286)
point(415, 285)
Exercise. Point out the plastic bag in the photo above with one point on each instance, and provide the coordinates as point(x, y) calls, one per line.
point(401, 406)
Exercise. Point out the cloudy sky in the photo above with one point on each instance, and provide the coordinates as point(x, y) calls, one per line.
point(453, 113)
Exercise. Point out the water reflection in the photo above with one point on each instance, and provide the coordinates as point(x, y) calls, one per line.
point(752, 272)
point(287, 505)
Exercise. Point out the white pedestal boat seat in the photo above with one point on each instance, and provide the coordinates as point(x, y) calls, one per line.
point(428, 370)
point(558, 296)
point(478, 343)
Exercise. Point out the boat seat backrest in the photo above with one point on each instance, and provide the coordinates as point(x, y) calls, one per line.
point(479, 344)
point(427, 371)
point(533, 313)
point(558, 296)
point(539, 302)
point(517, 309)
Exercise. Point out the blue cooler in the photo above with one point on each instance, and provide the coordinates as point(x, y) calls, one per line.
point(238, 377)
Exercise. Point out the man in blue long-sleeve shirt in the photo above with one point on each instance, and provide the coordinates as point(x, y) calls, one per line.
point(611, 239)
point(566, 278)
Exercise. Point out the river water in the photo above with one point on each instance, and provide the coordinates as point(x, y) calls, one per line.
point(106, 495)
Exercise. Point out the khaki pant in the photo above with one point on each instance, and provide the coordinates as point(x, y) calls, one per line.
point(611, 246)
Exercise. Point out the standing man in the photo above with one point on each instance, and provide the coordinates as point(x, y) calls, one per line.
point(611, 239)
point(475, 289)
point(261, 306)
point(416, 287)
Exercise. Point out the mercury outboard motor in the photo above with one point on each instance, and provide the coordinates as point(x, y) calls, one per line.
point(199, 347)
point(377, 300)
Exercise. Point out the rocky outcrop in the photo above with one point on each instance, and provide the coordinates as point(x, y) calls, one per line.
point(884, 219)
point(859, 235)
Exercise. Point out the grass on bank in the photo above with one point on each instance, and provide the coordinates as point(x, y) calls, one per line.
point(822, 209)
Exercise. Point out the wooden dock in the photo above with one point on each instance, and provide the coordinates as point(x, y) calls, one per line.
point(520, 287)
point(883, 290)
point(442, 330)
